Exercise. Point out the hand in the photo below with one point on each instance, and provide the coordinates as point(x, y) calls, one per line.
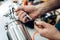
point(47, 30)
point(33, 12)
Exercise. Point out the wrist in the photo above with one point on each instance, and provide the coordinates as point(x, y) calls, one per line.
point(58, 36)
point(42, 8)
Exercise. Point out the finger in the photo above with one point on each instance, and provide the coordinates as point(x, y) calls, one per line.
point(37, 28)
point(24, 8)
point(21, 12)
point(17, 13)
point(23, 15)
point(24, 20)
point(20, 8)
point(19, 17)
point(41, 23)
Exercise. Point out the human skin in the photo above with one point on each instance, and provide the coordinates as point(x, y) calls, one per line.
point(47, 30)
point(38, 10)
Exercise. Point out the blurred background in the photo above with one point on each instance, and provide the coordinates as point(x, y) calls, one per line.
point(4, 7)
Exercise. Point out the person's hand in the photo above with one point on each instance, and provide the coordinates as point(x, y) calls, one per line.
point(32, 11)
point(47, 30)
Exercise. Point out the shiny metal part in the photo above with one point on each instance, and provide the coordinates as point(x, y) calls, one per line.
point(15, 29)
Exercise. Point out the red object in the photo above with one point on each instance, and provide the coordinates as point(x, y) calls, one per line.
point(25, 2)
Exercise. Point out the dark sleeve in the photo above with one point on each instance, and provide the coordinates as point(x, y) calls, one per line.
point(58, 25)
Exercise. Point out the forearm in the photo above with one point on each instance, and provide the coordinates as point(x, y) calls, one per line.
point(49, 6)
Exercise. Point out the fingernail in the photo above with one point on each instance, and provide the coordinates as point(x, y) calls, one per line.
point(38, 22)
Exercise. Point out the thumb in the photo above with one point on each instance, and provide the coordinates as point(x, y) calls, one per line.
point(19, 8)
point(24, 8)
point(42, 24)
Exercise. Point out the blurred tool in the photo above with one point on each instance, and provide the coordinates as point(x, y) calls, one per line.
point(16, 30)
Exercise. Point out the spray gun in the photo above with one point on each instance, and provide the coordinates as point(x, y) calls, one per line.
point(16, 30)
